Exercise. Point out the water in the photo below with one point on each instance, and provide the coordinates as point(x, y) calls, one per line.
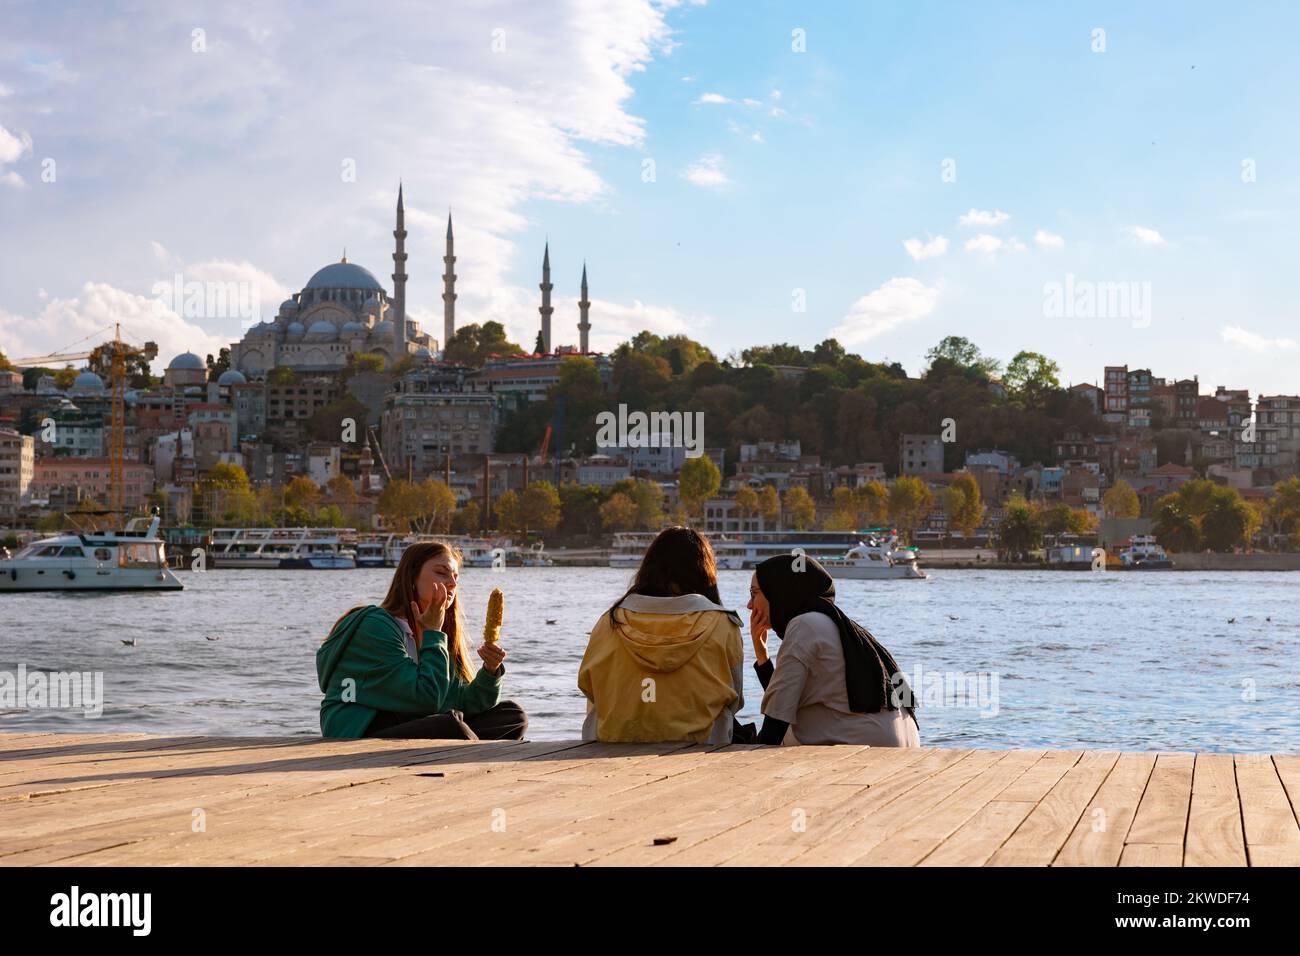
point(1124, 661)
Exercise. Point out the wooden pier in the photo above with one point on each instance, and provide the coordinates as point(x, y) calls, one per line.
point(99, 800)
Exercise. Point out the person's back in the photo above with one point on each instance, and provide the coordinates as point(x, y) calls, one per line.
point(663, 669)
point(664, 663)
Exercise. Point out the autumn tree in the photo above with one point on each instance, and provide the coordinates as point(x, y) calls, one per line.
point(910, 500)
point(1121, 501)
point(698, 481)
point(963, 504)
point(800, 508)
point(539, 508)
point(619, 513)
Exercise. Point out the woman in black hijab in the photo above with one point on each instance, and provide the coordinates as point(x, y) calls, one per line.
point(832, 682)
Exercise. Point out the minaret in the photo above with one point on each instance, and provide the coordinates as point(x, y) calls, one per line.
point(584, 326)
point(546, 309)
point(399, 281)
point(448, 289)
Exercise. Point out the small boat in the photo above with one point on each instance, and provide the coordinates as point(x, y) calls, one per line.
point(1144, 554)
point(134, 559)
point(876, 558)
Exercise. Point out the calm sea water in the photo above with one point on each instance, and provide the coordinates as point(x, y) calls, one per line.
point(1129, 661)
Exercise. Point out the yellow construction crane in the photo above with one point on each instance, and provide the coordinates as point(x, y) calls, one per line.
point(117, 433)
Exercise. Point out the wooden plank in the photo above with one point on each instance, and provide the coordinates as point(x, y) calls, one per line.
point(1151, 854)
point(1098, 838)
point(1272, 832)
point(1162, 815)
point(1044, 831)
point(1214, 833)
point(976, 840)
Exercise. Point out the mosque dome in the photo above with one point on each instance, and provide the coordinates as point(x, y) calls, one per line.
point(231, 376)
point(187, 362)
point(295, 328)
point(344, 275)
point(288, 305)
point(423, 352)
point(323, 328)
point(350, 328)
point(372, 302)
point(88, 380)
point(384, 328)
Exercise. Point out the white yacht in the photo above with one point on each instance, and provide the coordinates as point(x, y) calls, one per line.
point(879, 557)
point(1144, 554)
point(131, 560)
point(318, 549)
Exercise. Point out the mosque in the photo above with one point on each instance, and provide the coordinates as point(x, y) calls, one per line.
point(344, 310)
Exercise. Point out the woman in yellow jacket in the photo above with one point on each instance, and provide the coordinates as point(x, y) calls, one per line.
point(665, 662)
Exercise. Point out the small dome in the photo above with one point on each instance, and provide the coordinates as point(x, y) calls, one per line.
point(384, 328)
point(88, 379)
point(288, 305)
point(231, 376)
point(351, 327)
point(322, 328)
point(344, 275)
point(372, 302)
point(423, 352)
point(295, 328)
point(187, 362)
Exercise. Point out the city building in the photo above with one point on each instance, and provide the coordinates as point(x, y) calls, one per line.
point(91, 477)
point(17, 472)
point(920, 455)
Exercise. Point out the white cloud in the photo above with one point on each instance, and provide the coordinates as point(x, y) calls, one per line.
point(776, 94)
point(926, 250)
point(688, 79)
point(1145, 236)
point(1015, 245)
point(707, 171)
point(13, 180)
point(983, 217)
point(496, 137)
point(1048, 240)
point(983, 243)
point(13, 146)
point(712, 98)
point(5, 91)
point(757, 137)
point(751, 103)
point(898, 301)
point(65, 322)
point(1236, 335)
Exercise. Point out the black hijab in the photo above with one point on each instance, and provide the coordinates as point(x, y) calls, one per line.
point(796, 584)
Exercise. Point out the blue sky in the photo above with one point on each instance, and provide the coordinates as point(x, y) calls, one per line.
point(777, 173)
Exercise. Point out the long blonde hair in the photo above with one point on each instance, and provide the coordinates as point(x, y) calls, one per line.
point(401, 592)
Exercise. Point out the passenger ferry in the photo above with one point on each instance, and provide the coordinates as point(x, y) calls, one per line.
point(1144, 554)
point(134, 559)
point(319, 549)
point(746, 550)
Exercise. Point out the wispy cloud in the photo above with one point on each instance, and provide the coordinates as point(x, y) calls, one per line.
point(712, 98)
point(984, 217)
point(13, 146)
point(1048, 240)
point(983, 243)
point(1242, 338)
point(707, 171)
point(919, 250)
point(896, 302)
point(1146, 237)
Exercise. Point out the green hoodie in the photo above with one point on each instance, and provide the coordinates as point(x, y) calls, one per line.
point(367, 650)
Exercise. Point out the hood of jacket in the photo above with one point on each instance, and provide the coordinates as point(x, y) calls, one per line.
point(663, 634)
point(330, 652)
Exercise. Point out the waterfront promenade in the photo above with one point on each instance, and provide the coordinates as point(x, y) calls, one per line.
point(89, 800)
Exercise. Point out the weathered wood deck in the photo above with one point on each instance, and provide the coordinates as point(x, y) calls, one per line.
point(133, 800)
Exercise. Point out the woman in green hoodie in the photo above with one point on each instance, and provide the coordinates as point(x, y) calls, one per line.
point(401, 668)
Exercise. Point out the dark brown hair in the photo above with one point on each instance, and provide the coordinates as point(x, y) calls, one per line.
point(678, 561)
point(401, 592)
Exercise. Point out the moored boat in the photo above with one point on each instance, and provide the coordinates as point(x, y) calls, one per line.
point(134, 559)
